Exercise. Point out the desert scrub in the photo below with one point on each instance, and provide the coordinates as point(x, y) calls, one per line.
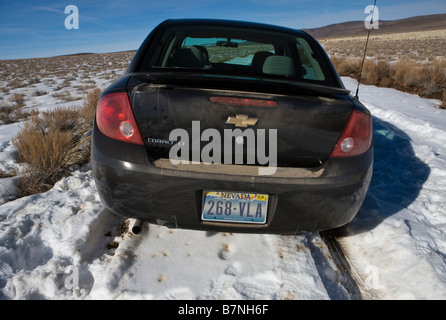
point(426, 79)
point(88, 110)
point(53, 141)
point(443, 105)
point(377, 73)
point(13, 113)
point(18, 99)
point(65, 96)
point(39, 93)
point(346, 66)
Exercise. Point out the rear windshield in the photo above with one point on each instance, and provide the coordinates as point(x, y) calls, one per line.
point(231, 51)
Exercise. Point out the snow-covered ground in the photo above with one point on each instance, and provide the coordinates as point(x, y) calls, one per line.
point(62, 244)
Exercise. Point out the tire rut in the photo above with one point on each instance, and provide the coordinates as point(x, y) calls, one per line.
point(346, 276)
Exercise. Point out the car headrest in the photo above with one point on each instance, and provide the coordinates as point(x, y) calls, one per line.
point(279, 65)
point(189, 58)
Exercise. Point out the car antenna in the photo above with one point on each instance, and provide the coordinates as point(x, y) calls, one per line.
point(365, 49)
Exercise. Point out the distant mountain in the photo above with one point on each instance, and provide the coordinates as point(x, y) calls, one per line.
point(357, 28)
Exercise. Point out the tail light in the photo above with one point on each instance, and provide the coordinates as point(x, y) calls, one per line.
point(243, 102)
point(115, 119)
point(356, 137)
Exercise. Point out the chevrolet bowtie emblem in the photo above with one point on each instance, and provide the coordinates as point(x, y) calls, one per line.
point(241, 121)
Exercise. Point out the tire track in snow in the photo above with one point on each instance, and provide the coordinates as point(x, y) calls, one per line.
point(162, 263)
point(347, 276)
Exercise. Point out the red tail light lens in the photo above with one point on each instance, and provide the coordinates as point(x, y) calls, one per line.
point(356, 138)
point(115, 119)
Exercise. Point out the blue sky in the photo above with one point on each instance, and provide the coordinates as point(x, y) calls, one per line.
point(31, 29)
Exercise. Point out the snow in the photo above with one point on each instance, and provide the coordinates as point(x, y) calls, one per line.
point(400, 230)
point(62, 244)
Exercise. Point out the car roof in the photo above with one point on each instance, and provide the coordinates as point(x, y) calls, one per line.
point(232, 23)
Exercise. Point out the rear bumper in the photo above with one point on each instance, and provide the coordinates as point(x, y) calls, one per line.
point(301, 200)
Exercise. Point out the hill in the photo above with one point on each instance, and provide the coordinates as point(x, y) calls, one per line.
point(356, 28)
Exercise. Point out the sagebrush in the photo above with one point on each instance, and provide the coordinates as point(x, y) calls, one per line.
point(425, 79)
point(53, 141)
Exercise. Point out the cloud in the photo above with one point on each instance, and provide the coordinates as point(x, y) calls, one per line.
point(97, 21)
point(12, 30)
point(46, 9)
point(82, 16)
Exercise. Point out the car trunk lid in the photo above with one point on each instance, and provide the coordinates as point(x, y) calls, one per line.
point(300, 123)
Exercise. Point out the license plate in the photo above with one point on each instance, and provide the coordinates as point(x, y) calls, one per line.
point(237, 207)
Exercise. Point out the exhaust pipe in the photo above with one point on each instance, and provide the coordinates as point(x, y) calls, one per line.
point(137, 226)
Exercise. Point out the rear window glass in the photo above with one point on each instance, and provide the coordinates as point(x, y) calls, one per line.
point(313, 70)
point(230, 51)
point(234, 51)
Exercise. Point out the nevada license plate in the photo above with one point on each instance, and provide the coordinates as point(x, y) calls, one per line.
point(222, 206)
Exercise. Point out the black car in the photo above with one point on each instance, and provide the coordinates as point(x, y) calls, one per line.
point(232, 126)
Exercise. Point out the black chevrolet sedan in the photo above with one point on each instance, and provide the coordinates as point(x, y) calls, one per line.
point(232, 126)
